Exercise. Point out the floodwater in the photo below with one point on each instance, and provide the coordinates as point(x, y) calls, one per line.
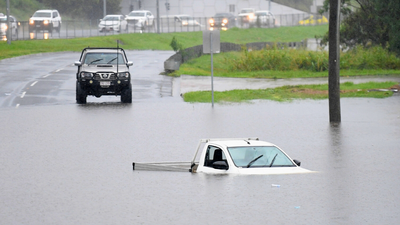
point(63, 163)
point(72, 164)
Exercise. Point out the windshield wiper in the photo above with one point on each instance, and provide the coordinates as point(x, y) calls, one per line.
point(252, 161)
point(112, 60)
point(94, 61)
point(270, 165)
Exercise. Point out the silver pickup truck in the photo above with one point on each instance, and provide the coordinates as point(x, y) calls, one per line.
point(232, 156)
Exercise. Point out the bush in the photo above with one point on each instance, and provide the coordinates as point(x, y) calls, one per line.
point(316, 61)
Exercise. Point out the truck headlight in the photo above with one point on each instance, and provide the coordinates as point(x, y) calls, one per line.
point(45, 22)
point(85, 75)
point(211, 21)
point(4, 26)
point(123, 75)
point(225, 21)
point(31, 21)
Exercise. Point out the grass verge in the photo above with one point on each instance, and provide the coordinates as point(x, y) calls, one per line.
point(289, 63)
point(289, 93)
point(153, 41)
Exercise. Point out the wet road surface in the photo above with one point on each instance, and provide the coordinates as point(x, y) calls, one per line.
point(63, 163)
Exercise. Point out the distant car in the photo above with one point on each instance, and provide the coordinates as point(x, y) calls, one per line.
point(186, 20)
point(3, 25)
point(45, 20)
point(113, 23)
point(223, 20)
point(140, 19)
point(103, 71)
point(265, 18)
point(246, 16)
point(311, 20)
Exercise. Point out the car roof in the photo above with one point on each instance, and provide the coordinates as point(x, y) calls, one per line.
point(46, 10)
point(139, 11)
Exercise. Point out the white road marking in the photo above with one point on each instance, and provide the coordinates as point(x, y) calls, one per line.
point(58, 70)
point(46, 75)
point(23, 94)
point(33, 84)
point(17, 106)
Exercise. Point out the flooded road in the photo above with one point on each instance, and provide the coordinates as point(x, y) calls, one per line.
point(62, 163)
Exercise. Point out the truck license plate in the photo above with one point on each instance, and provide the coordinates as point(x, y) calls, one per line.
point(105, 83)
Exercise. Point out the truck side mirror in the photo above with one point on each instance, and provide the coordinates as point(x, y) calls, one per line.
point(297, 162)
point(77, 63)
point(129, 63)
point(220, 165)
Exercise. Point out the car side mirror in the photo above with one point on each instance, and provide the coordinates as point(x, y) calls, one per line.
point(129, 63)
point(297, 162)
point(78, 63)
point(220, 165)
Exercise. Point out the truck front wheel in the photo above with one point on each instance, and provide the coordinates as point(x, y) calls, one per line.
point(80, 94)
point(126, 95)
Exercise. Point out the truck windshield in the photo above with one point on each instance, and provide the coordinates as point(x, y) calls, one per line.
point(103, 58)
point(263, 156)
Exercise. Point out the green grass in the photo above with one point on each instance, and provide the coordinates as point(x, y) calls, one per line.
point(151, 41)
point(289, 93)
point(291, 63)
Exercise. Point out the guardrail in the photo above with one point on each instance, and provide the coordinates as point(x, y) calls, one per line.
point(89, 28)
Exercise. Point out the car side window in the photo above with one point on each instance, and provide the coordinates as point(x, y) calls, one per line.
point(213, 154)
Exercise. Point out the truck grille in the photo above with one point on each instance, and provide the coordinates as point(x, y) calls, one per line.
point(104, 76)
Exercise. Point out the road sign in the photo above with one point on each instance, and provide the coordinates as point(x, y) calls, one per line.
point(208, 36)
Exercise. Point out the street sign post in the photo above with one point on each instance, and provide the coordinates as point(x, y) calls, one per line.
point(211, 44)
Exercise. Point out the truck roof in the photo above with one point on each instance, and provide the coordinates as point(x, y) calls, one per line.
point(238, 142)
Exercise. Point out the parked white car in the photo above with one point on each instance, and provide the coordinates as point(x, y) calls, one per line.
point(265, 18)
point(45, 20)
point(113, 23)
point(3, 26)
point(140, 19)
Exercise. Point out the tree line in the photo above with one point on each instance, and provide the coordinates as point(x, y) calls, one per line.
point(369, 23)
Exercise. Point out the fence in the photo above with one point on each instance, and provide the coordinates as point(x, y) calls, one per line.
point(171, 24)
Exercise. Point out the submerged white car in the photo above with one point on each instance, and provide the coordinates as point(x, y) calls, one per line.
point(113, 23)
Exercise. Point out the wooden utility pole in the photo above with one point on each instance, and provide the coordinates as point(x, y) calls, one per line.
point(334, 62)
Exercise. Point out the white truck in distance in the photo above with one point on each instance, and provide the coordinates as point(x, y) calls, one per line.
point(232, 156)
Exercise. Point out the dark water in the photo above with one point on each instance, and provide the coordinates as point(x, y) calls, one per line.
point(71, 164)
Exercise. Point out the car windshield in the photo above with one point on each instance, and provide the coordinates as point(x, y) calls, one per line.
point(3, 18)
point(187, 18)
point(42, 14)
point(111, 18)
point(246, 11)
point(103, 58)
point(138, 14)
point(259, 156)
point(221, 15)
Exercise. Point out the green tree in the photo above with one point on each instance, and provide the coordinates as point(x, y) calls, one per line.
point(369, 22)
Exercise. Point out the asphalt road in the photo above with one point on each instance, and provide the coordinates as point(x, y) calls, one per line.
point(50, 78)
point(64, 163)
